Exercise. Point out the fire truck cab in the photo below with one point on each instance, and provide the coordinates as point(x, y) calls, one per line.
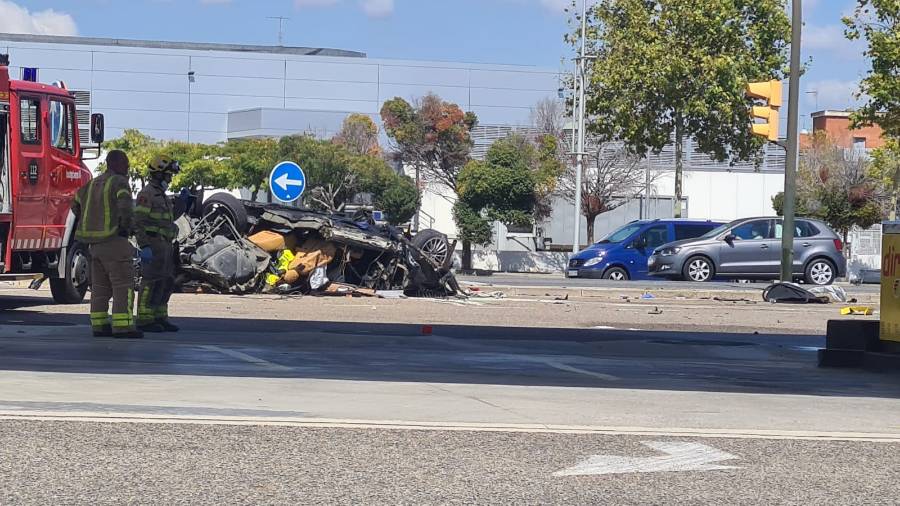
point(41, 168)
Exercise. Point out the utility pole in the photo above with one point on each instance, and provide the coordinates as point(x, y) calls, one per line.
point(281, 20)
point(793, 147)
point(579, 164)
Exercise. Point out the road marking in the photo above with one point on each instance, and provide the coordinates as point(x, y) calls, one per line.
point(250, 359)
point(555, 364)
point(679, 457)
point(111, 417)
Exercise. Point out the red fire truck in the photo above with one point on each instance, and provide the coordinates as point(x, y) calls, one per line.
point(41, 168)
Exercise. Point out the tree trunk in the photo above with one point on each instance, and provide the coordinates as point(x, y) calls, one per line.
point(254, 194)
point(466, 255)
point(893, 213)
point(679, 162)
point(590, 228)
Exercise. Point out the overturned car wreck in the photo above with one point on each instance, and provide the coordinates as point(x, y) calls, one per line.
point(243, 247)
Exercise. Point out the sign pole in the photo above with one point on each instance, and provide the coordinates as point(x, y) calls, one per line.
point(793, 148)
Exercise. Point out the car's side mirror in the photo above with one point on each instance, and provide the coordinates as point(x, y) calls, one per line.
point(97, 128)
point(730, 238)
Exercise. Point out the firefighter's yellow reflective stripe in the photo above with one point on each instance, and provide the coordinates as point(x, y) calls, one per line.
point(86, 212)
point(122, 192)
point(107, 216)
point(142, 210)
point(99, 319)
point(121, 320)
point(130, 307)
point(162, 312)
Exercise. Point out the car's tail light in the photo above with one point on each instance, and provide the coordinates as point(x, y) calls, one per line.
point(839, 245)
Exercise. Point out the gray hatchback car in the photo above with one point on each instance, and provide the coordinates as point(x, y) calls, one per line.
point(750, 248)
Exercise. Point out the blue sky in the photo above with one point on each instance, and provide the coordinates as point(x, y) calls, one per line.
point(527, 32)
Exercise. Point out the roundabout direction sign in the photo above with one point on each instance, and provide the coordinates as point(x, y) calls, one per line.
point(287, 182)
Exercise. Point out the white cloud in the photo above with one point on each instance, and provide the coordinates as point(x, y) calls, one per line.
point(832, 94)
point(377, 8)
point(17, 19)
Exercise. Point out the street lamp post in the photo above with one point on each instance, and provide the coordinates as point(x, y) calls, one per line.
point(793, 147)
point(580, 108)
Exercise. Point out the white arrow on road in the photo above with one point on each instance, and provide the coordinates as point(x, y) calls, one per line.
point(284, 181)
point(678, 457)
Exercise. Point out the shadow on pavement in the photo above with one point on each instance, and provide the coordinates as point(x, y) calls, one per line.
point(658, 360)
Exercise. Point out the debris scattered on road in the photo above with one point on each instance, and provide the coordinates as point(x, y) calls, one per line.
point(647, 296)
point(834, 293)
point(655, 310)
point(857, 311)
point(791, 293)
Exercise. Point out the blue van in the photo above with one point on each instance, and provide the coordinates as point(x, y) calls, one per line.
point(623, 254)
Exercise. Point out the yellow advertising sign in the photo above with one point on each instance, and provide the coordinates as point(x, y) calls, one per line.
point(890, 282)
point(4, 96)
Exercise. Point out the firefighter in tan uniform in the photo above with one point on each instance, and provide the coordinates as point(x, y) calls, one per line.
point(156, 231)
point(104, 210)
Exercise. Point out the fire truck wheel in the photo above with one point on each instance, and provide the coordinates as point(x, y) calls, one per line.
point(72, 288)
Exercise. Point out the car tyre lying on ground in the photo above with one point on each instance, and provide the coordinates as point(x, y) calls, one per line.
point(433, 244)
point(227, 204)
point(699, 269)
point(820, 272)
point(72, 288)
point(616, 274)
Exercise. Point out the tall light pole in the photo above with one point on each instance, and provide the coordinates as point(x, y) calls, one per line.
point(579, 164)
point(281, 20)
point(793, 147)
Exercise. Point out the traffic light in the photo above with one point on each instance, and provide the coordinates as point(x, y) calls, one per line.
point(770, 91)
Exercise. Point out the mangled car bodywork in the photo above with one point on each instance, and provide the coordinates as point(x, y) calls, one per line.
point(270, 247)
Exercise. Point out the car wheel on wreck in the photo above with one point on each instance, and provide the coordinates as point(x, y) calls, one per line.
point(227, 205)
point(434, 245)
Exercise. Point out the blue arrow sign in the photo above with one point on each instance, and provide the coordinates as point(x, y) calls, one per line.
point(287, 182)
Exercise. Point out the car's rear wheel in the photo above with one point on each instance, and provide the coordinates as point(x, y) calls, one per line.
point(699, 269)
point(616, 274)
point(820, 272)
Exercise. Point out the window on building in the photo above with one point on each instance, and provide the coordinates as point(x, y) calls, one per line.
point(62, 126)
point(859, 143)
point(30, 109)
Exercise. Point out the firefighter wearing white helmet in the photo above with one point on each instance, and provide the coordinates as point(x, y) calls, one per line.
point(155, 231)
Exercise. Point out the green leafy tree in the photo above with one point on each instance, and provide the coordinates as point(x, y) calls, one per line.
point(250, 161)
point(500, 188)
point(138, 146)
point(836, 186)
point(886, 169)
point(671, 69)
point(399, 199)
point(878, 23)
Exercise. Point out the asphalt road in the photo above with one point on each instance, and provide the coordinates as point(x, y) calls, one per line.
point(287, 410)
point(99, 463)
point(560, 281)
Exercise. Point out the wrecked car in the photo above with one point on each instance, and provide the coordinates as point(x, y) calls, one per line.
point(242, 247)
